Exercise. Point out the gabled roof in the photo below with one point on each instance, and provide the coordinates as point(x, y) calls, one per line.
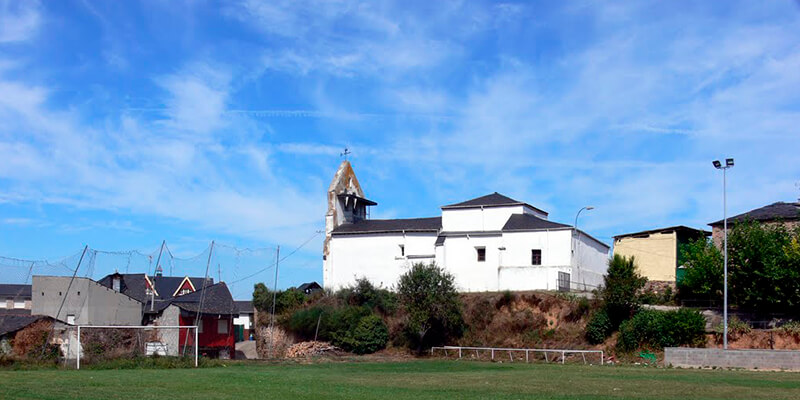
point(390, 225)
point(14, 290)
point(134, 285)
point(678, 228)
point(527, 222)
point(772, 212)
point(309, 286)
point(491, 200)
point(216, 300)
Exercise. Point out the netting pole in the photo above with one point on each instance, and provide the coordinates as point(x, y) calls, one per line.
point(79, 347)
point(202, 298)
point(274, 298)
point(50, 335)
point(196, 346)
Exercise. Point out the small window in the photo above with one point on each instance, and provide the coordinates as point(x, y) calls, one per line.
point(536, 257)
point(222, 326)
point(184, 291)
point(402, 250)
point(481, 253)
point(79, 293)
point(59, 293)
point(71, 319)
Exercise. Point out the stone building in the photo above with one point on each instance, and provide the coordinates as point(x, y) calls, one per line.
point(780, 212)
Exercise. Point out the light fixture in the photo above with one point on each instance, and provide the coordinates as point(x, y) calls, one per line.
point(717, 164)
point(728, 162)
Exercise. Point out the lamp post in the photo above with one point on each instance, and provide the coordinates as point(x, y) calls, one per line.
point(718, 165)
point(575, 229)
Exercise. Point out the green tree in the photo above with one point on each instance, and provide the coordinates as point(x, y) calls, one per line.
point(620, 290)
point(285, 300)
point(429, 297)
point(763, 267)
point(704, 272)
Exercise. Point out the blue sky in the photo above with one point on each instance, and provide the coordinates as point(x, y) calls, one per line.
point(123, 124)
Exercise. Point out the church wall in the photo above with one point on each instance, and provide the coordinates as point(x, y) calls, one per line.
point(461, 259)
point(376, 257)
point(477, 219)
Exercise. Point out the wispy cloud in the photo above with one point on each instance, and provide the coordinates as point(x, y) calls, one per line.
point(19, 20)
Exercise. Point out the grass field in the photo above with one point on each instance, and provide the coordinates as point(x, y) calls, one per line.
point(400, 380)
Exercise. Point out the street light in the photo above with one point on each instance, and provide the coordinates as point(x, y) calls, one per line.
point(575, 229)
point(718, 165)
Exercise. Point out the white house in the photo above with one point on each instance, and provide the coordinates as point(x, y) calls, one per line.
point(490, 243)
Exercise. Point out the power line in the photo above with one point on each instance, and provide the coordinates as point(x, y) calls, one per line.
point(277, 261)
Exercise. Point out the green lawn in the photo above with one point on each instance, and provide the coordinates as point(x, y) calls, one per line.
point(400, 380)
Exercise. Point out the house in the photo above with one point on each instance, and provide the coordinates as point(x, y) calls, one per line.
point(657, 252)
point(310, 287)
point(182, 301)
point(490, 243)
point(244, 321)
point(780, 212)
point(82, 301)
point(15, 297)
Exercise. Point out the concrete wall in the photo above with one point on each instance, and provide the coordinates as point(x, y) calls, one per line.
point(656, 256)
point(90, 302)
point(760, 359)
point(170, 337)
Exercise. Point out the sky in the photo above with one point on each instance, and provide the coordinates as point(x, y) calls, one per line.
point(125, 124)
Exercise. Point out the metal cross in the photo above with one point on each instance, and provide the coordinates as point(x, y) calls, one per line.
point(345, 153)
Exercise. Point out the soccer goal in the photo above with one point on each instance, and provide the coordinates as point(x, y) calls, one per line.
point(106, 342)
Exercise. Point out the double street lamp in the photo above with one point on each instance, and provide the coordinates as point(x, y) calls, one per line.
point(718, 165)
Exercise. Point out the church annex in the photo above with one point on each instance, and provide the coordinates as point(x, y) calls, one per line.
point(490, 243)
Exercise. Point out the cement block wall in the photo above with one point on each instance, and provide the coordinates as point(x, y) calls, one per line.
point(751, 359)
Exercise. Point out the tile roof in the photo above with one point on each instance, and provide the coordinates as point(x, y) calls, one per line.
point(217, 300)
point(391, 225)
point(134, 285)
point(244, 306)
point(491, 200)
point(525, 222)
point(774, 211)
point(14, 290)
point(665, 230)
point(13, 323)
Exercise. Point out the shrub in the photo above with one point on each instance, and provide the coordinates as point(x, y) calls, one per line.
point(736, 329)
point(621, 286)
point(791, 328)
point(506, 299)
point(369, 336)
point(429, 297)
point(286, 300)
point(364, 293)
point(599, 327)
point(658, 329)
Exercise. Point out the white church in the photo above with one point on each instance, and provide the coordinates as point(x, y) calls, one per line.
point(490, 243)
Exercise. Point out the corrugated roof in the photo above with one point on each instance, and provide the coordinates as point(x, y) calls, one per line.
point(774, 211)
point(663, 230)
point(391, 225)
point(524, 222)
point(491, 200)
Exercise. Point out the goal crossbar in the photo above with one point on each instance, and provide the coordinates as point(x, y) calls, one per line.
point(143, 327)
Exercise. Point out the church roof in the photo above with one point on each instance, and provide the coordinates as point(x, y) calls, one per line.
point(525, 222)
point(491, 200)
point(432, 224)
point(774, 211)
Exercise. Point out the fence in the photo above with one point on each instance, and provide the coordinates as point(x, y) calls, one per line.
point(511, 351)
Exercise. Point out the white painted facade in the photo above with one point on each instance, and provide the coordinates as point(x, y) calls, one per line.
point(505, 230)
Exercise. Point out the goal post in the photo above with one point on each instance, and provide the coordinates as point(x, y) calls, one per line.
point(154, 346)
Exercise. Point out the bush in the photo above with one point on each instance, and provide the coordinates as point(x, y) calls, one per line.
point(364, 293)
point(369, 336)
point(736, 329)
point(599, 327)
point(286, 300)
point(792, 328)
point(620, 289)
point(658, 329)
point(429, 297)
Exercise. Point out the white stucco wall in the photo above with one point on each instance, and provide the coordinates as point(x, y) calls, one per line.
point(589, 264)
point(375, 257)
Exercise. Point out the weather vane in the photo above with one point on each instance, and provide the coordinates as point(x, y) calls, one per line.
point(345, 153)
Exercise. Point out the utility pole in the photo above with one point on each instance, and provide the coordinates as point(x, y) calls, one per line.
point(274, 298)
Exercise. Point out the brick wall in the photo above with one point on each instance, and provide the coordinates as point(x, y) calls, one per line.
point(751, 359)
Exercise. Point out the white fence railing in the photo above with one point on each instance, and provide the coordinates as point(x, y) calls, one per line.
point(492, 350)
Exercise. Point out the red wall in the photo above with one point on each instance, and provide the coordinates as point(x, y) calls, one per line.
point(209, 337)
